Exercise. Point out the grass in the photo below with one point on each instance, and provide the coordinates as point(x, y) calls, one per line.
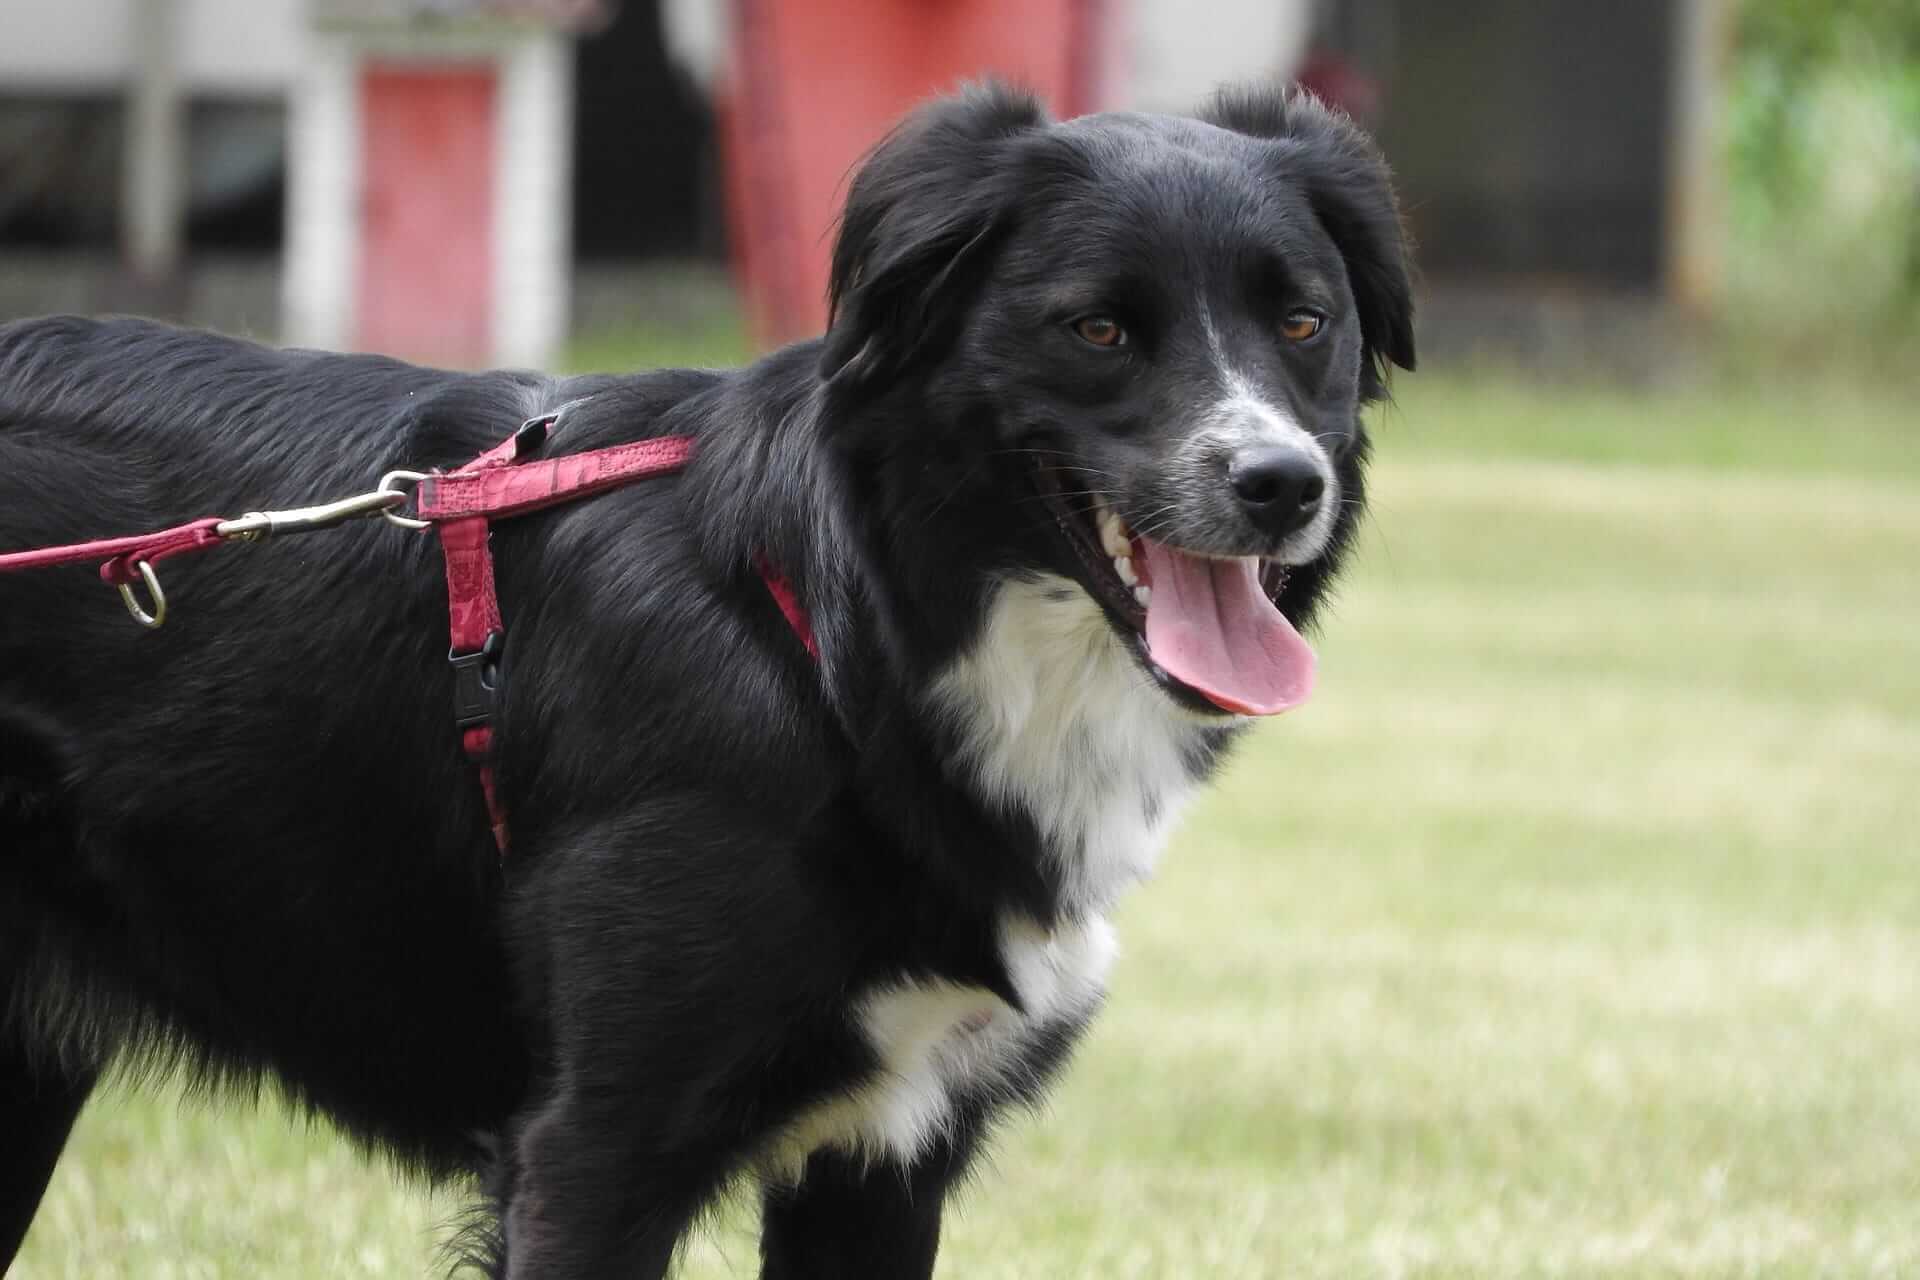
point(1573, 929)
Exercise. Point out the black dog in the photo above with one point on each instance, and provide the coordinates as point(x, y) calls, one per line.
point(1079, 451)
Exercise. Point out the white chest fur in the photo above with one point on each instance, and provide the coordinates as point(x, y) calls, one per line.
point(941, 1041)
point(1057, 721)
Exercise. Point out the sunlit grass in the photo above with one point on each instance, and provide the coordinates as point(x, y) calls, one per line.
point(1573, 929)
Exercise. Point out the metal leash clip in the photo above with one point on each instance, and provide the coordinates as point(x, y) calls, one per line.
point(258, 526)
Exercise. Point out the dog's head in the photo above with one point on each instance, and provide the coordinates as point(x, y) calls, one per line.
point(1151, 339)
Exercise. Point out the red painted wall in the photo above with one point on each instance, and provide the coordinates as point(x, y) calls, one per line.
point(426, 214)
point(816, 83)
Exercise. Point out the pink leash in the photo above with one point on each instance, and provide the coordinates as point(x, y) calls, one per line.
point(498, 485)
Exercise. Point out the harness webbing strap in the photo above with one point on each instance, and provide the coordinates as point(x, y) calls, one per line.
point(500, 484)
point(790, 607)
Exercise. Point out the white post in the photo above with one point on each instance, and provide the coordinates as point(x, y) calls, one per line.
point(320, 270)
point(533, 200)
point(1695, 205)
point(154, 163)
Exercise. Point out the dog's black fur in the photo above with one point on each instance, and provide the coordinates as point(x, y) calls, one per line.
point(247, 845)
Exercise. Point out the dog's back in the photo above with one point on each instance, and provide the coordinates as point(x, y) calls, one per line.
point(129, 926)
point(114, 425)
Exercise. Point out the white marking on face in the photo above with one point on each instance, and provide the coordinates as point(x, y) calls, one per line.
point(1241, 418)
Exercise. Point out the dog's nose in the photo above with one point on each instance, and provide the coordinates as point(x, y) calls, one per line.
point(1280, 488)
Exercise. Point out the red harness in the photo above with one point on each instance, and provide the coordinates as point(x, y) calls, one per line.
point(497, 485)
point(460, 504)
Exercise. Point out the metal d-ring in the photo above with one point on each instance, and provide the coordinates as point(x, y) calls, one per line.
point(158, 597)
point(390, 483)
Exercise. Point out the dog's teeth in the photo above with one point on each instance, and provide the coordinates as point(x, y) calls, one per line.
point(1113, 533)
point(1123, 565)
point(1144, 595)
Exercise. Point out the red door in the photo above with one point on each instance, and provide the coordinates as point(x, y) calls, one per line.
point(426, 219)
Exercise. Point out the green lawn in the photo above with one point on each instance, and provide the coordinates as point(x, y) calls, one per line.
point(1573, 929)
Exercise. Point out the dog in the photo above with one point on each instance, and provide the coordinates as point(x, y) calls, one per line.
point(1052, 498)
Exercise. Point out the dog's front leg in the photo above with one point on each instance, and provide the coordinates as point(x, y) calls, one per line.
point(588, 1201)
point(38, 1105)
point(670, 976)
point(855, 1217)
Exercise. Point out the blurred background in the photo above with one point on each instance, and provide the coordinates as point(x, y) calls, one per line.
point(1574, 929)
point(485, 181)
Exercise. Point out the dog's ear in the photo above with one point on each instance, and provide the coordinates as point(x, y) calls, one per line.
point(1351, 191)
point(918, 231)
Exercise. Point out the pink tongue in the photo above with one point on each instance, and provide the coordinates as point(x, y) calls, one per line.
point(1212, 628)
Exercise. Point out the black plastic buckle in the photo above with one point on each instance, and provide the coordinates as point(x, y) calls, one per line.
point(476, 683)
point(532, 433)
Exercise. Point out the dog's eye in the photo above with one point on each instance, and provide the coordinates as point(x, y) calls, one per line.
point(1301, 324)
point(1101, 331)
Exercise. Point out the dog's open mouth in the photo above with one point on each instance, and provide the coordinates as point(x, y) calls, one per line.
point(1208, 628)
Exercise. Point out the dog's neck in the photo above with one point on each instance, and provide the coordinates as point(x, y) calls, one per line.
point(1050, 724)
point(1055, 720)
